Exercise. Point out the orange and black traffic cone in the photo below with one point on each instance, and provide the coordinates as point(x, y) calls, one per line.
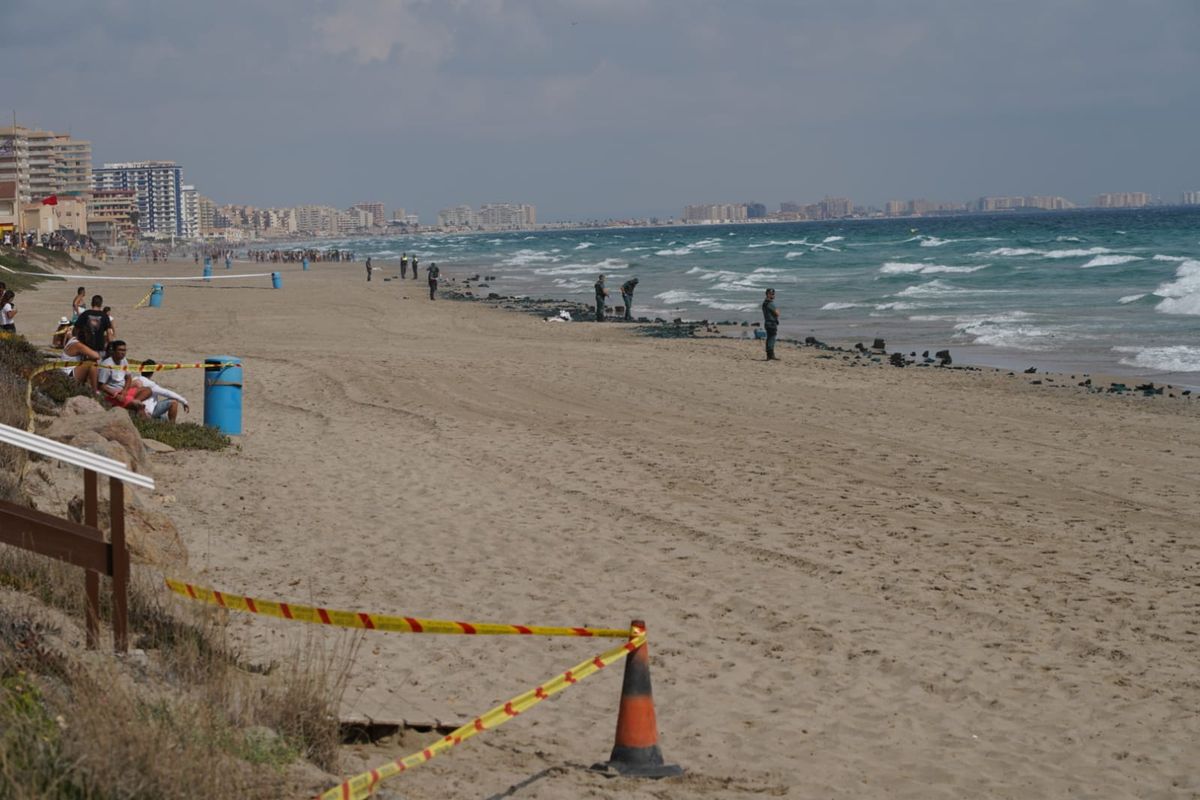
point(635, 752)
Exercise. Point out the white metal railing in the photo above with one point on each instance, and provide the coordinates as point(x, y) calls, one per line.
point(73, 455)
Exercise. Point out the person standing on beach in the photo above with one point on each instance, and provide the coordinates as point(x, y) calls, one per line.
point(78, 305)
point(370, 269)
point(601, 294)
point(770, 323)
point(414, 266)
point(434, 272)
point(404, 266)
point(8, 312)
point(627, 297)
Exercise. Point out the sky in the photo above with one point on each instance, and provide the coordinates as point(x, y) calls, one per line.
point(596, 109)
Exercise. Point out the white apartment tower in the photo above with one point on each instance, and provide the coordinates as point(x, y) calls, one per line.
point(159, 188)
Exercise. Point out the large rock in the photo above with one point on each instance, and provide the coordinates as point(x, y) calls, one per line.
point(151, 536)
point(80, 406)
point(113, 425)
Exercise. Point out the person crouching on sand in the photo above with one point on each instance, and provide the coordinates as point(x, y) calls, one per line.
point(119, 387)
point(163, 402)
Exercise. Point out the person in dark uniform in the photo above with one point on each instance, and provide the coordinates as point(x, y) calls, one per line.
point(770, 323)
point(414, 266)
point(370, 269)
point(601, 294)
point(627, 297)
point(404, 265)
point(433, 272)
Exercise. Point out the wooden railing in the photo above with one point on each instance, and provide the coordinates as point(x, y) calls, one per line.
point(82, 545)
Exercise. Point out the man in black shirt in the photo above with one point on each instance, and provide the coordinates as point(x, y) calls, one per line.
point(770, 323)
point(93, 327)
point(404, 266)
point(601, 293)
point(627, 297)
point(433, 273)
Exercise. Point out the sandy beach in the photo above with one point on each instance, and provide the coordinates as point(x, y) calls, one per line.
point(858, 582)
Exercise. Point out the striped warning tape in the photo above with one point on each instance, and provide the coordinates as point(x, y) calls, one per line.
point(144, 300)
point(363, 785)
point(380, 622)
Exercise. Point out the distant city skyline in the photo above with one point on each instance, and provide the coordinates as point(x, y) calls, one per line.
point(593, 109)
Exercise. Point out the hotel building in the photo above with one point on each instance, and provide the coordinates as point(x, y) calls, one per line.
point(159, 187)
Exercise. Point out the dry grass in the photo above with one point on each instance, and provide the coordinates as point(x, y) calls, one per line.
point(188, 719)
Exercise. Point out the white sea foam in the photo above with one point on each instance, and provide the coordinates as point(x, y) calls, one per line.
point(1130, 298)
point(583, 245)
point(933, 241)
point(523, 258)
point(1011, 330)
point(1067, 239)
point(903, 268)
point(794, 254)
point(1182, 295)
point(931, 289)
point(840, 306)
point(774, 243)
point(829, 239)
point(607, 265)
point(679, 251)
point(1110, 261)
point(1029, 251)
point(1160, 257)
point(896, 306)
point(675, 296)
point(1174, 358)
point(634, 249)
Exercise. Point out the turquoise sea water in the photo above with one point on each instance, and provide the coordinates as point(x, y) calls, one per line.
point(1115, 291)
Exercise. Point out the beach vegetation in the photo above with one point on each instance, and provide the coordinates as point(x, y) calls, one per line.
point(182, 435)
point(183, 715)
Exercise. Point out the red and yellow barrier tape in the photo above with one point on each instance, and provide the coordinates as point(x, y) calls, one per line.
point(362, 785)
point(382, 622)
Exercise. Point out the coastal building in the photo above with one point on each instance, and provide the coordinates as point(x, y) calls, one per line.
point(206, 211)
point(836, 207)
point(112, 216)
point(1122, 200)
point(715, 212)
point(318, 220)
point(1190, 198)
point(506, 216)
point(42, 163)
point(159, 187)
point(457, 217)
point(190, 209)
point(376, 210)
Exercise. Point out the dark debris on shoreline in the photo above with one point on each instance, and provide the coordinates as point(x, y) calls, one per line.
point(858, 355)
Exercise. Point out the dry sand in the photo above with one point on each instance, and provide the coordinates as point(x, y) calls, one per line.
point(859, 582)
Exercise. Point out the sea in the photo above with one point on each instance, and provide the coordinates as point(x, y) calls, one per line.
point(1104, 291)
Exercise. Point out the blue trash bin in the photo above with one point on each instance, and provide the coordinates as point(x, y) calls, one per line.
point(276, 280)
point(305, 264)
point(156, 295)
point(207, 270)
point(223, 394)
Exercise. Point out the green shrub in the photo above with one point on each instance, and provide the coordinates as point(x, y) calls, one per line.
point(182, 435)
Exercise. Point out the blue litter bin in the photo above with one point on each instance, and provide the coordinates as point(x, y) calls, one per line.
point(276, 280)
point(207, 270)
point(223, 394)
point(304, 263)
point(156, 294)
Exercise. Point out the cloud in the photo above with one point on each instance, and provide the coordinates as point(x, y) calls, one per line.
point(381, 31)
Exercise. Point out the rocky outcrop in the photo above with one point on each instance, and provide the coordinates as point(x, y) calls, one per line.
point(107, 433)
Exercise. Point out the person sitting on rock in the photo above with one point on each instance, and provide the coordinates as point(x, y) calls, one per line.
point(163, 402)
point(85, 372)
point(119, 387)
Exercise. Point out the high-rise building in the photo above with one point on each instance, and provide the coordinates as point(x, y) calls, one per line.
point(835, 207)
point(43, 163)
point(715, 212)
point(159, 187)
point(457, 217)
point(1122, 200)
point(755, 211)
point(1190, 198)
point(376, 210)
point(190, 209)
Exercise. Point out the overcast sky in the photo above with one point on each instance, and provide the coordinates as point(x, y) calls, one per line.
point(611, 108)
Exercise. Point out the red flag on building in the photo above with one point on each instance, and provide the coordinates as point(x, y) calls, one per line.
point(52, 200)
